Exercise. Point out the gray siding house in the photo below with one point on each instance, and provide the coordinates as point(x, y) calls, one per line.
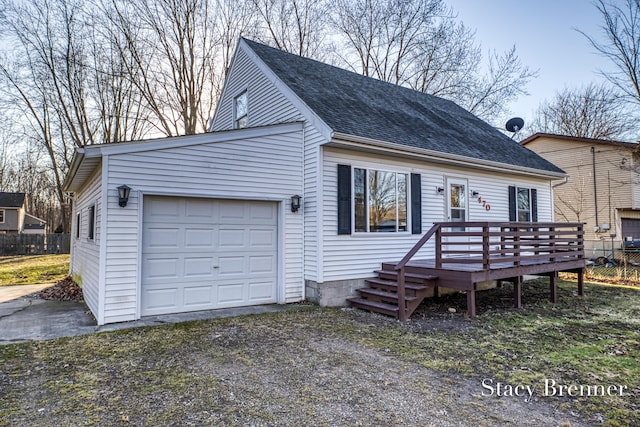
point(13, 217)
point(213, 221)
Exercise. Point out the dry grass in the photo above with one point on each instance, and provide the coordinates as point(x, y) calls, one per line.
point(33, 269)
point(318, 366)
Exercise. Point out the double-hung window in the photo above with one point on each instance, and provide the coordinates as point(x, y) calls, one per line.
point(241, 111)
point(380, 201)
point(523, 204)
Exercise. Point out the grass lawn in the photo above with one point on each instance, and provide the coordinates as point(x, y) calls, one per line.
point(277, 369)
point(33, 269)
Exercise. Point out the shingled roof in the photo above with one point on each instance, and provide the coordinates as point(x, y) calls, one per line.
point(11, 200)
point(353, 104)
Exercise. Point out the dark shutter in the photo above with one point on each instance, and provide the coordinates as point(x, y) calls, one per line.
point(512, 203)
point(534, 205)
point(416, 204)
point(344, 199)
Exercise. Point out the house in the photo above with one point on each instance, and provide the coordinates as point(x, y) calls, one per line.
point(309, 178)
point(602, 189)
point(13, 217)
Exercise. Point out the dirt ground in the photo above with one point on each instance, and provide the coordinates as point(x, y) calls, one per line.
point(313, 366)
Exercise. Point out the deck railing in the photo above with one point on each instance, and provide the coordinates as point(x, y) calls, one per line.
point(493, 243)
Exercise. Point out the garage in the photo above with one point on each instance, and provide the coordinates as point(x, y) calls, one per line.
point(202, 254)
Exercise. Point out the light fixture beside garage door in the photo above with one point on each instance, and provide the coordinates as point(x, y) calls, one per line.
point(295, 203)
point(123, 195)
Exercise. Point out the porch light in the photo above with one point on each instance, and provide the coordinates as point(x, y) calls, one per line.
point(123, 195)
point(295, 203)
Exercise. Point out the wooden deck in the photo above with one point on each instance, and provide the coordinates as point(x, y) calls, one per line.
point(473, 252)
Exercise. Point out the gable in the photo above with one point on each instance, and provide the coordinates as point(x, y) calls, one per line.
point(267, 104)
point(356, 105)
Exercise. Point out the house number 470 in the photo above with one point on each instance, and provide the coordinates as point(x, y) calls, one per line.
point(484, 203)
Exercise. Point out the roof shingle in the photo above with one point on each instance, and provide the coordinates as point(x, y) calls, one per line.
point(11, 200)
point(362, 106)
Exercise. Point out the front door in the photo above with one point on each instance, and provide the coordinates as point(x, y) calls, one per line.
point(457, 201)
point(457, 210)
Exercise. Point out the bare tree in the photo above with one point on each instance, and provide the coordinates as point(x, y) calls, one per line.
point(296, 26)
point(61, 85)
point(621, 30)
point(571, 201)
point(173, 49)
point(418, 43)
point(592, 111)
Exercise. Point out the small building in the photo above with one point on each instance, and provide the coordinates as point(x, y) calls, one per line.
point(602, 189)
point(14, 219)
point(310, 177)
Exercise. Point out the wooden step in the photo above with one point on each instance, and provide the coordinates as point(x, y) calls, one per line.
point(408, 277)
point(375, 306)
point(382, 296)
point(392, 286)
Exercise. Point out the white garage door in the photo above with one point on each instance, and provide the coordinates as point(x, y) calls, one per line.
point(201, 254)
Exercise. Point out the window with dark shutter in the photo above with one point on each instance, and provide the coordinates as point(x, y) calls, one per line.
point(534, 205)
point(523, 204)
point(416, 204)
point(344, 199)
point(512, 204)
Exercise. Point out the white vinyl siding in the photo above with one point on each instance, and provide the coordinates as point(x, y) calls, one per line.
point(260, 168)
point(357, 256)
point(267, 105)
point(85, 261)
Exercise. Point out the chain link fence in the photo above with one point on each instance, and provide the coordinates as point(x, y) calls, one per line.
point(614, 266)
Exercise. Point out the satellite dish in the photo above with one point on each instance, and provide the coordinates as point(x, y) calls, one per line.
point(515, 124)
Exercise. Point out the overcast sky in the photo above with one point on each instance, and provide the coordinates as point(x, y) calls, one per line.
point(544, 32)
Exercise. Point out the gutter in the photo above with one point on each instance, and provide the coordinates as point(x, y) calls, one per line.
point(564, 181)
point(440, 157)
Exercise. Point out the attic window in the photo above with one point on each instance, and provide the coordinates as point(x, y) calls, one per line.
point(240, 111)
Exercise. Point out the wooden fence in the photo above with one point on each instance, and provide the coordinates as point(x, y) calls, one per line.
point(34, 244)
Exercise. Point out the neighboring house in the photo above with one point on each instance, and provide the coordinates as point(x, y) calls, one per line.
point(212, 222)
point(602, 189)
point(14, 219)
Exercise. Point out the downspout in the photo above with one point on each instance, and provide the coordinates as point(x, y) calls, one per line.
point(563, 182)
point(595, 185)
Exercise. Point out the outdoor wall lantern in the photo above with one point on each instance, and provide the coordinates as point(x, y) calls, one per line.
point(123, 195)
point(439, 190)
point(295, 203)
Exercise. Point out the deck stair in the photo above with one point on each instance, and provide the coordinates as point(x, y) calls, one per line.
point(380, 295)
